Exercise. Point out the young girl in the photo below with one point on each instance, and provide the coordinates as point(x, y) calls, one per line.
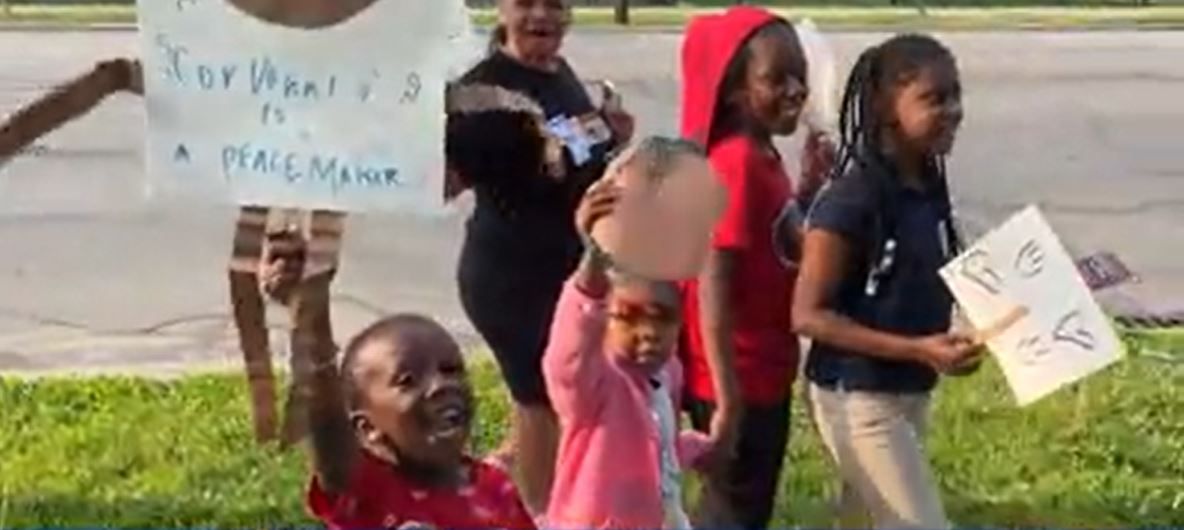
point(389, 431)
point(744, 83)
point(257, 228)
point(868, 291)
point(614, 382)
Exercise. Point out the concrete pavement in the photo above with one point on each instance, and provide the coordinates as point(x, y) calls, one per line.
point(95, 277)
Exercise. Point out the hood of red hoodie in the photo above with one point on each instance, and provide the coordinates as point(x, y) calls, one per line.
point(708, 46)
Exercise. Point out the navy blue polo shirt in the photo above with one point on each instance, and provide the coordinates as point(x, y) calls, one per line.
point(867, 206)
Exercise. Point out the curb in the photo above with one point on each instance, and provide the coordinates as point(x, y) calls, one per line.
point(50, 27)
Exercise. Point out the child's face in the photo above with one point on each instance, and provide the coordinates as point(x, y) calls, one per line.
point(643, 325)
point(928, 109)
point(416, 395)
point(535, 27)
point(774, 90)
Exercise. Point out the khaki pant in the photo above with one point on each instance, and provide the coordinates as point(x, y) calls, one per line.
point(876, 442)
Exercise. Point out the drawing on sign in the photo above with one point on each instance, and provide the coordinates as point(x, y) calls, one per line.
point(976, 267)
point(301, 119)
point(1032, 349)
point(1029, 262)
point(1071, 328)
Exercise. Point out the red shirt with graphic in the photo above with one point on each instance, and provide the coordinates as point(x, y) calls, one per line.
point(379, 497)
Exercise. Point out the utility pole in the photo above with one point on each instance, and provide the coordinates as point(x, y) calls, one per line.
point(620, 12)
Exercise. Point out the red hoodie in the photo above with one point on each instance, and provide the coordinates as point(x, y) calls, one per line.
point(766, 351)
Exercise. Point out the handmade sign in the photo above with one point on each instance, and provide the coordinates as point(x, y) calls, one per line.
point(1022, 291)
point(661, 229)
point(342, 112)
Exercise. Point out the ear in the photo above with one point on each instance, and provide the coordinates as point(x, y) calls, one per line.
point(365, 429)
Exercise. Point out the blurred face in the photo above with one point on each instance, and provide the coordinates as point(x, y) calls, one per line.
point(644, 322)
point(534, 28)
point(775, 84)
point(927, 110)
point(416, 397)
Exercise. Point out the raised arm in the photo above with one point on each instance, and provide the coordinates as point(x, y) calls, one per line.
point(67, 102)
point(574, 359)
point(334, 445)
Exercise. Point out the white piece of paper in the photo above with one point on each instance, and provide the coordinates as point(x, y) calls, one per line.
point(1063, 337)
point(348, 116)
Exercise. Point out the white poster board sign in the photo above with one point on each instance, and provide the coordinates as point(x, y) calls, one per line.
point(1021, 270)
point(345, 116)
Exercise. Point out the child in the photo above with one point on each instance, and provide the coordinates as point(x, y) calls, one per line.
point(744, 83)
point(257, 228)
point(614, 382)
point(389, 432)
point(869, 293)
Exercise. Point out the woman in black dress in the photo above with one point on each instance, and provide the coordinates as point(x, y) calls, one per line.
point(521, 244)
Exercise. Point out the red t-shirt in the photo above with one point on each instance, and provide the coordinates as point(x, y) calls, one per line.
point(762, 289)
point(379, 498)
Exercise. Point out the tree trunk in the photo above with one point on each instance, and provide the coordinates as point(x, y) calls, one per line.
point(621, 12)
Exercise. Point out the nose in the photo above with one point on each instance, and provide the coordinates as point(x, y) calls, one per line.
point(441, 383)
point(954, 112)
point(795, 90)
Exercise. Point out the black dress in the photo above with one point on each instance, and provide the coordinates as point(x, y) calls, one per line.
point(521, 243)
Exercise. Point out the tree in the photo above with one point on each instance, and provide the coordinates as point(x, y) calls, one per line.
point(621, 12)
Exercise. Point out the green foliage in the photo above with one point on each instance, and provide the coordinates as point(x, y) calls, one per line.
point(122, 452)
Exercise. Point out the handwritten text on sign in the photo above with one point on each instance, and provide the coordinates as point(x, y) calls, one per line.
point(1063, 336)
point(345, 117)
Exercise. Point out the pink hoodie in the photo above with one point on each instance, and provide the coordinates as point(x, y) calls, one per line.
point(607, 471)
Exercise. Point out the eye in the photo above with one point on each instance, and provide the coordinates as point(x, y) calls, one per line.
point(452, 368)
point(404, 380)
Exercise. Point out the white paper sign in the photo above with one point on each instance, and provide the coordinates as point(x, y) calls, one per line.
point(346, 116)
point(1062, 337)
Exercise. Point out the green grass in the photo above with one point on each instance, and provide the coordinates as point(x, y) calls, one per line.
point(844, 17)
point(150, 454)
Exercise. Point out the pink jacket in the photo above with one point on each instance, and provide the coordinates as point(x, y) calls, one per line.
point(607, 471)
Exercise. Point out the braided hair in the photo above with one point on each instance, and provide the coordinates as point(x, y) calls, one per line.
point(878, 71)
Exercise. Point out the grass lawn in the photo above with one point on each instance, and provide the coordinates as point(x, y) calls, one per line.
point(846, 17)
point(151, 454)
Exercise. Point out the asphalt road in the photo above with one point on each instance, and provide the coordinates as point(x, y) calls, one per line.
point(95, 276)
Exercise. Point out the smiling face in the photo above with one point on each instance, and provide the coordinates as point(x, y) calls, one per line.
point(413, 395)
point(534, 28)
point(927, 109)
point(773, 90)
point(308, 14)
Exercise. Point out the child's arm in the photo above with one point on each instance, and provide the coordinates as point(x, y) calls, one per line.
point(715, 290)
point(67, 102)
point(334, 444)
point(574, 358)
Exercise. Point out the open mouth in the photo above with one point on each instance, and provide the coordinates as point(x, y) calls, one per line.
point(451, 421)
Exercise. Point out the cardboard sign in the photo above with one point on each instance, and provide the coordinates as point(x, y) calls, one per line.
point(1021, 290)
point(662, 227)
point(341, 112)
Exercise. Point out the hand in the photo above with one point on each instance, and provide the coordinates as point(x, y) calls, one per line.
point(818, 160)
point(281, 266)
point(622, 124)
point(971, 364)
point(599, 201)
point(945, 352)
point(723, 434)
point(135, 83)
